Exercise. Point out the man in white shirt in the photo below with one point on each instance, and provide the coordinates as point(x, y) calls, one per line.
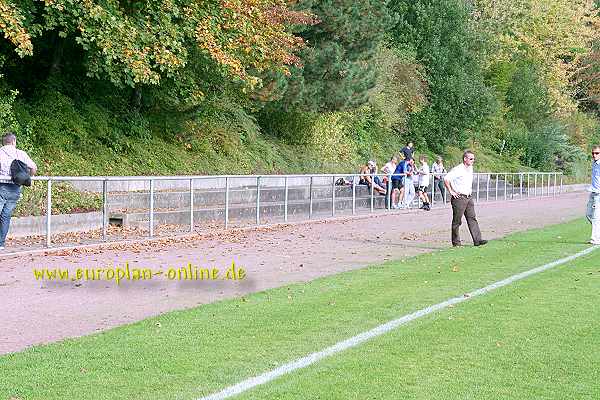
point(388, 169)
point(9, 192)
point(593, 207)
point(390, 166)
point(459, 182)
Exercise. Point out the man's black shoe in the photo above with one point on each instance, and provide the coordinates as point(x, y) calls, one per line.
point(481, 243)
point(456, 244)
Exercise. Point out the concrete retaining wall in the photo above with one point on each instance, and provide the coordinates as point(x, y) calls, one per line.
point(62, 223)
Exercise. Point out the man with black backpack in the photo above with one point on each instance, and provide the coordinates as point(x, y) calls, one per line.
point(17, 165)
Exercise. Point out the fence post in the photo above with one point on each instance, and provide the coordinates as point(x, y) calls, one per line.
point(285, 199)
point(487, 187)
point(310, 198)
point(372, 191)
point(191, 205)
point(432, 181)
point(521, 185)
point(478, 188)
point(226, 202)
point(561, 184)
point(104, 209)
point(416, 194)
point(549, 182)
point(151, 207)
point(49, 214)
point(353, 195)
point(389, 192)
point(535, 175)
point(258, 200)
point(333, 196)
point(496, 196)
point(512, 184)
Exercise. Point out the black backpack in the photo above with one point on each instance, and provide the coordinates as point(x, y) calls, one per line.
point(19, 173)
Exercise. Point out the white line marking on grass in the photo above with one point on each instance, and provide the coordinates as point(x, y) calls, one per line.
point(380, 330)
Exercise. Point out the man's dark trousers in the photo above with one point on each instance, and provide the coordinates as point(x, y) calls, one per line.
point(464, 205)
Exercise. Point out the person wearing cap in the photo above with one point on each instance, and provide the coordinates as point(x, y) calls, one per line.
point(10, 192)
point(459, 183)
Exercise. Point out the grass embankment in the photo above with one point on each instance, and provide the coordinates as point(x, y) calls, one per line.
point(531, 339)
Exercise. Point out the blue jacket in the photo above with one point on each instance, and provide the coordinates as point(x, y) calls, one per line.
point(401, 168)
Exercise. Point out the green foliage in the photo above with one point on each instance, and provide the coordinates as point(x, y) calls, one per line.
point(527, 96)
point(440, 35)
point(291, 126)
point(539, 147)
point(65, 200)
point(400, 89)
point(141, 43)
point(10, 122)
point(338, 69)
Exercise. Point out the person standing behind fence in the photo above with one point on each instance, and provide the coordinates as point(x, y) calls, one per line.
point(424, 183)
point(398, 183)
point(9, 192)
point(593, 206)
point(407, 151)
point(438, 171)
point(459, 182)
point(409, 184)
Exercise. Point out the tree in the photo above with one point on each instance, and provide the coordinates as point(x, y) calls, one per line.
point(440, 35)
point(553, 34)
point(139, 43)
point(338, 69)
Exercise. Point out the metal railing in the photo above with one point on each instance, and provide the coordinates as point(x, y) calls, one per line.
point(486, 187)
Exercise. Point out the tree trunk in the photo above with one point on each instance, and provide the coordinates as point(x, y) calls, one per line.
point(136, 98)
point(57, 56)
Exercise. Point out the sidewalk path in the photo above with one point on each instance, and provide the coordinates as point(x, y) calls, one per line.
point(36, 312)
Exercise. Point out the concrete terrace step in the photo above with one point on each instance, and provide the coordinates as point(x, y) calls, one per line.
point(213, 197)
point(268, 210)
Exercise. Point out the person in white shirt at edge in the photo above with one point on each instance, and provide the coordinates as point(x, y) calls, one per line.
point(9, 192)
point(389, 168)
point(593, 206)
point(459, 182)
point(424, 183)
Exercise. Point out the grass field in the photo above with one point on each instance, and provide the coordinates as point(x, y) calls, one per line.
point(537, 338)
